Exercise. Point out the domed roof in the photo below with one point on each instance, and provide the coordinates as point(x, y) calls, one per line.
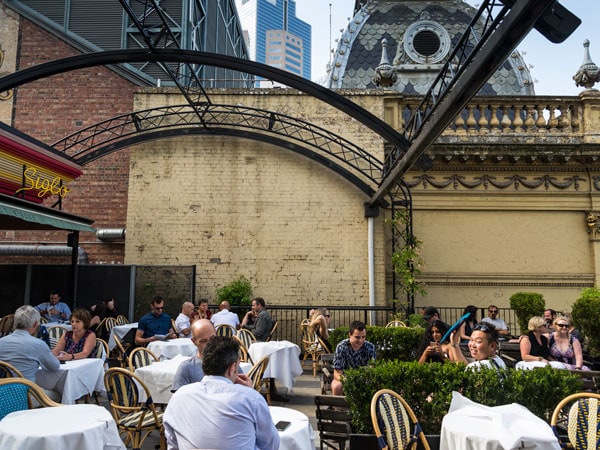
point(419, 36)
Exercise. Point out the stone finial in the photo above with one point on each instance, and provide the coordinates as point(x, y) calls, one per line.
point(588, 73)
point(385, 74)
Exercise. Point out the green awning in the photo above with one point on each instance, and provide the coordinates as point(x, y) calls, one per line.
point(18, 214)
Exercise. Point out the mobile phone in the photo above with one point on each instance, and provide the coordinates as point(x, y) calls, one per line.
point(281, 425)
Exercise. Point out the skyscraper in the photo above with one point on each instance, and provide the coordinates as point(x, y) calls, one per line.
point(275, 36)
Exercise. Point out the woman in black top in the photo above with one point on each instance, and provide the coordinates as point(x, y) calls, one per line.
point(534, 345)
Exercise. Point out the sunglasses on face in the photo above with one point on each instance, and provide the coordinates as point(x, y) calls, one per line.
point(493, 311)
point(562, 325)
point(481, 327)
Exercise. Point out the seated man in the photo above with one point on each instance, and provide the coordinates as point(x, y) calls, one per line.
point(183, 321)
point(231, 413)
point(154, 323)
point(190, 371)
point(493, 318)
point(351, 353)
point(25, 352)
point(225, 316)
point(483, 344)
point(262, 325)
point(54, 310)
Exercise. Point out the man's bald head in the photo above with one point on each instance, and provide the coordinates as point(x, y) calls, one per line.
point(187, 308)
point(224, 305)
point(202, 331)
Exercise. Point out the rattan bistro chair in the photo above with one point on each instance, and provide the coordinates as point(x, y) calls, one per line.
point(256, 375)
point(8, 370)
point(55, 332)
point(141, 357)
point(18, 394)
point(134, 418)
point(580, 422)
point(392, 418)
point(247, 337)
point(225, 330)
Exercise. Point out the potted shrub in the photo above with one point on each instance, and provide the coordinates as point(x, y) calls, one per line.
point(526, 305)
point(237, 293)
point(586, 318)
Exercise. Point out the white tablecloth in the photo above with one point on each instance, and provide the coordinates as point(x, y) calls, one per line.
point(284, 362)
point(471, 426)
point(173, 347)
point(120, 331)
point(299, 434)
point(158, 378)
point(81, 427)
point(74, 379)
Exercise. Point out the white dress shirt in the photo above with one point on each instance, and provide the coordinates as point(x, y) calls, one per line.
point(225, 317)
point(217, 414)
point(182, 322)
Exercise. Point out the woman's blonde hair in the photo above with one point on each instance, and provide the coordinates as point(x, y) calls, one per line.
point(315, 320)
point(534, 322)
point(565, 318)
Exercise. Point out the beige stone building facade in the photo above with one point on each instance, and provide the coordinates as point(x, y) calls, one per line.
point(502, 210)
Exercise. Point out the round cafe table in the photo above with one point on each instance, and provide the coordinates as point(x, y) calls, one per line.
point(172, 347)
point(81, 427)
point(298, 435)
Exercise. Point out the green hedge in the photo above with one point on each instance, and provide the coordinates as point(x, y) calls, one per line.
point(539, 390)
point(394, 343)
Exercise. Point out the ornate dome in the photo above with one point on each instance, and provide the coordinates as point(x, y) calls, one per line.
point(419, 38)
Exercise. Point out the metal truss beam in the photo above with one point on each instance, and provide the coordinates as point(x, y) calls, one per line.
point(353, 163)
point(468, 68)
point(164, 34)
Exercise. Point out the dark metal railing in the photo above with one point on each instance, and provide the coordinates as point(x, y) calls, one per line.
point(289, 317)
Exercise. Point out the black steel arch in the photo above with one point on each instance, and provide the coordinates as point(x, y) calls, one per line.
point(196, 57)
point(327, 148)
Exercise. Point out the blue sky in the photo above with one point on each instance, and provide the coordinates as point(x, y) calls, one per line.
point(551, 65)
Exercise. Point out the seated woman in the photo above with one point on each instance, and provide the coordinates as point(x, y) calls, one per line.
point(431, 349)
point(535, 351)
point(80, 342)
point(319, 324)
point(564, 347)
point(467, 326)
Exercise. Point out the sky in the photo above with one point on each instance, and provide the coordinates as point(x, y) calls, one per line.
point(551, 65)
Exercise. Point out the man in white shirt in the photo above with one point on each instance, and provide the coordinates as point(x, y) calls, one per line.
point(183, 320)
point(225, 317)
point(483, 344)
point(501, 326)
point(222, 411)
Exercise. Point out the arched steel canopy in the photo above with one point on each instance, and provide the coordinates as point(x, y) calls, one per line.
point(326, 148)
point(195, 57)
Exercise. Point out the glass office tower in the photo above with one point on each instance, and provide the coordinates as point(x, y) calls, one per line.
point(275, 36)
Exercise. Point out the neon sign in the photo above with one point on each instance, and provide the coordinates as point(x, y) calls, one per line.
point(44, 186)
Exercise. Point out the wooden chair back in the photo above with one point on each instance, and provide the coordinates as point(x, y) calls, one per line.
point(272, 333)
point(395, 323)
point(333, 421)
point(122, 320)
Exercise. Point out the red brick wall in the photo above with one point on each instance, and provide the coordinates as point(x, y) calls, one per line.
point(54, 107)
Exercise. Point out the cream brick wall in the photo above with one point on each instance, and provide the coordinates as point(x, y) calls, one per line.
point(9, 35)
point(236, 207)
